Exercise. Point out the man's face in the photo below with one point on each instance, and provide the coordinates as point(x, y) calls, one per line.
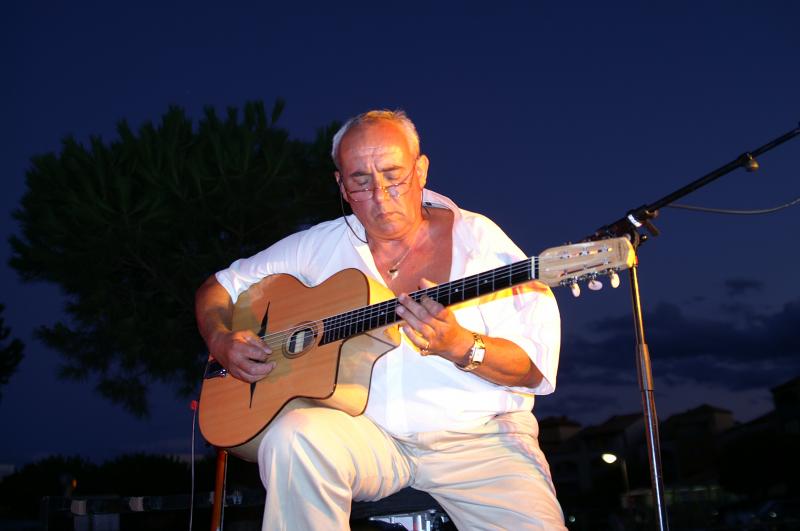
point(378, 155)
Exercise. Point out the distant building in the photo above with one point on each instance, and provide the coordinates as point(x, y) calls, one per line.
point(574, 453)
point(787, 406)
point(707, 458)
point(690, 445)
point(760, 457)
point(6, 470)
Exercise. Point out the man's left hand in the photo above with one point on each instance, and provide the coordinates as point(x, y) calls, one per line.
point(433, 328)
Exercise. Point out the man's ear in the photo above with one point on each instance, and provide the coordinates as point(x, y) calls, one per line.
point(338, 177)
point(422, 169)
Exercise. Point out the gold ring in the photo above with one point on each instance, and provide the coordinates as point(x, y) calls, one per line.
point(424, 350)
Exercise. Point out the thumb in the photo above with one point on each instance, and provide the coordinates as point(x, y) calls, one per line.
point(425, 283)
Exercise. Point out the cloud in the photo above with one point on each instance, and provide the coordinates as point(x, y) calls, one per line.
point(589, 404)
point(740, 286)
point(741, 349)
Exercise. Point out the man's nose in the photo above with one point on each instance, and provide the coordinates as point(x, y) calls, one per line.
point(381, 193)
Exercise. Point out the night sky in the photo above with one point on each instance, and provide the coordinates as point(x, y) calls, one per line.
point(552, 121)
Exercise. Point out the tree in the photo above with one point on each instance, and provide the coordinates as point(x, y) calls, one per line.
point(10, 353)
point(129, 229)
point(21, 492)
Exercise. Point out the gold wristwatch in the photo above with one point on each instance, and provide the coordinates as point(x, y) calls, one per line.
point(476, 354)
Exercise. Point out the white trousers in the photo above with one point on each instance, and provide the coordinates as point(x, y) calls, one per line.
point(315, 461)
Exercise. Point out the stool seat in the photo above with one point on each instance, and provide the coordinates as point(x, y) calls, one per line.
point(407, 500)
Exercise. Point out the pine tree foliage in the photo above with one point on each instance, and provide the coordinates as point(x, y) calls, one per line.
point(11, 352)
point(130, 228)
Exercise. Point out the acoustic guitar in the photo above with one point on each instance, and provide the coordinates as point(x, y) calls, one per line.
point(326, 339)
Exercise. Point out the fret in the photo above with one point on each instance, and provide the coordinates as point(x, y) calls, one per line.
point(502, 279)
point(521, 274)
point(374, 318)
point(337, 328)
point(484, 283)
point(470, 290)
point(439, 296)
point(328, 334)
point(380, 314)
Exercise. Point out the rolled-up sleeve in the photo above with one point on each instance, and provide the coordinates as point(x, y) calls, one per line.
point(281, 257)
point(526, 314)
point(530, 319)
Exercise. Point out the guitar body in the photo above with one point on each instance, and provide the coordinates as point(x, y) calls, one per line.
point(336, 374)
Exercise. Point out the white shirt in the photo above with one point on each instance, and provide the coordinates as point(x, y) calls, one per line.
point(410, 393)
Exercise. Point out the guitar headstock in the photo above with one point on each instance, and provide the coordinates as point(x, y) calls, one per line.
point(568, 264)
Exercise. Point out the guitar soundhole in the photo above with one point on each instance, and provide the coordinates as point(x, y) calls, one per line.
point(301, 340)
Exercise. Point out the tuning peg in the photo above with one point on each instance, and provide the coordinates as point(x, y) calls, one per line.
point(594, 285)
point(575, 289)
point(613, 278)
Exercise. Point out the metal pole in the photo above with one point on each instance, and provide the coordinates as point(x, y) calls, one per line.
point(648, 406)
point(625, 483)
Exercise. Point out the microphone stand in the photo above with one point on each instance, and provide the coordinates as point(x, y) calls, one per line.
point(629, 226)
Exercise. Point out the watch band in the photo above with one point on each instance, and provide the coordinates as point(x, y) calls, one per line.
point(476, 354)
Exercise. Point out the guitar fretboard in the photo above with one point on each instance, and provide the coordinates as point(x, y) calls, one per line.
point(368, 318)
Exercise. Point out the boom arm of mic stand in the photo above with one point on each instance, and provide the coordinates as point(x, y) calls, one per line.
point(634, 219)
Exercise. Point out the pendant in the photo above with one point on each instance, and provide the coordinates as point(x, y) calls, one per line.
point(393, 273)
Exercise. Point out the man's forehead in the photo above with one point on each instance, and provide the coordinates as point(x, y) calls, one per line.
point(380, 141)
point(374, 150)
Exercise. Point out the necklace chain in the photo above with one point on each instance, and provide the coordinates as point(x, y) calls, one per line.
point(395, 269)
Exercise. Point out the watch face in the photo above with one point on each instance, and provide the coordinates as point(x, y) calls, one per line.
point(478, 351)
point(476, 354)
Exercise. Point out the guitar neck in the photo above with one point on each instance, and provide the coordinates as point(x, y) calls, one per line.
point(368, 318)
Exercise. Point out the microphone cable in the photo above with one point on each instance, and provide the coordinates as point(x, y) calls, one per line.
point(193, 405)
point(735, 212)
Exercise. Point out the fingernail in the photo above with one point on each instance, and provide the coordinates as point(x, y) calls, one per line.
point(400, 310)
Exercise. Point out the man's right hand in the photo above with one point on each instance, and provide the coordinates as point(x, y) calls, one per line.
point(243, 354)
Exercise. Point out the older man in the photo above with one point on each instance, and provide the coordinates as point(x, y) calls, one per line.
point(449, 410)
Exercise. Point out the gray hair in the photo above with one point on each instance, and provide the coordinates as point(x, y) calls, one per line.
point(398, 116)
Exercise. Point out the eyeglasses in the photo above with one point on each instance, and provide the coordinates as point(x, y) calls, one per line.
point(394, 190)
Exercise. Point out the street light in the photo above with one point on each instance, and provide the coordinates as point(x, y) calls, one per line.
point(611, 459)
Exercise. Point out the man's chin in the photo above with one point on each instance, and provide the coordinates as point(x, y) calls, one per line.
point(389, 218)
point(390, 224)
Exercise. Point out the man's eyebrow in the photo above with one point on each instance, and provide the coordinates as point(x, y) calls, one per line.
point(360, 173)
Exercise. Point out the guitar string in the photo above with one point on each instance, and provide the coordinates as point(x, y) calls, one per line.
point(452, 286)
point(449, 288)
point(351, 318)
point(341, 322)
point(347, 320)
